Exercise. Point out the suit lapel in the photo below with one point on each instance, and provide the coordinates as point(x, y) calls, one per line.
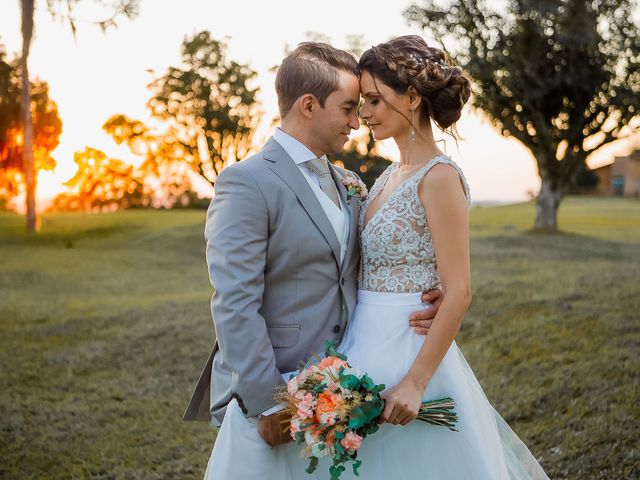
point(354, 211)
point(284, 167)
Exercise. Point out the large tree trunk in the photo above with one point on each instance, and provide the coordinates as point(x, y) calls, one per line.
point(25, 110)
point(547, 205)
point(27, 152)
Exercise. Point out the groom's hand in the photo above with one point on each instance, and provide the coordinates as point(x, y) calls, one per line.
point(274, 428)
point(421, 320)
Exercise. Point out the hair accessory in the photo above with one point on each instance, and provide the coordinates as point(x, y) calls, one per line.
point(422, 61)
point(419, 60)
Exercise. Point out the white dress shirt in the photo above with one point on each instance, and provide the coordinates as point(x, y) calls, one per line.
point(299, 152)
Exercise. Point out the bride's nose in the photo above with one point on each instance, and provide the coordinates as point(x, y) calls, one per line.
point(364, 113)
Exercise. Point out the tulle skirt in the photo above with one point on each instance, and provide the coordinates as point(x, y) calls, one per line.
point(380, 342)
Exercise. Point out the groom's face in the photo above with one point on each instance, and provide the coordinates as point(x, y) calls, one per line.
point(333, 123)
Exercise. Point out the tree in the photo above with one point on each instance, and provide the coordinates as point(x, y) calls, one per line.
point(586, 180)
point(208, 105)
point(9, 112)
point(164, 163)
point(561, 76)
point(164, 157)
point(45, 132)
point(25, 115)
point(102, 183)
point(120, 7)
point(106, 184)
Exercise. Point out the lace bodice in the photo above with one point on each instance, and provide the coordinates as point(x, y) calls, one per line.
point(395, 245)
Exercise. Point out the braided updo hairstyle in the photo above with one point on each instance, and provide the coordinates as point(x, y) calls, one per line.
point(408, 61)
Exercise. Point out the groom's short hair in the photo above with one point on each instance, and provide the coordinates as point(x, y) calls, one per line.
point(311, 68)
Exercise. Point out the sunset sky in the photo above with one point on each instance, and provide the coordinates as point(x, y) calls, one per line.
point(98, 75)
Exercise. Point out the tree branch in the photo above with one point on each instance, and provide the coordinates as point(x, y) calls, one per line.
point(610, 137)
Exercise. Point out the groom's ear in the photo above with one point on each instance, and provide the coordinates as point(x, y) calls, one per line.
point(308, 103)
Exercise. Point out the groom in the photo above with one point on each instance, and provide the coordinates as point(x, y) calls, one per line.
point(282, 246)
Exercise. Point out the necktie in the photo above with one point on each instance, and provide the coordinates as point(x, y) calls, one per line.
point(320, 166)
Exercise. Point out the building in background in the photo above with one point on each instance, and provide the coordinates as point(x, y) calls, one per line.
point(620, 178)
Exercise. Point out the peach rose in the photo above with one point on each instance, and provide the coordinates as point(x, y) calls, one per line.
point(332, 362)
point(328, 402)
point(351, 441)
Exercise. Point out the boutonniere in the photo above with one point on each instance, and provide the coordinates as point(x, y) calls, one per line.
point(355, 188)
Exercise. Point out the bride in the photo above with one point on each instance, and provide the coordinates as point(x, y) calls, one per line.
point(414, 231)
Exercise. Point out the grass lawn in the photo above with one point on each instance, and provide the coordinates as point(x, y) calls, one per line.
point(105, 324)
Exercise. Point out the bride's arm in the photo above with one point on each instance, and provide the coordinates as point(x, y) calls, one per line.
point(443, 198)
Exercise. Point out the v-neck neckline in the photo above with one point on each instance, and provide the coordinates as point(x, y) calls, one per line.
point(398, 188)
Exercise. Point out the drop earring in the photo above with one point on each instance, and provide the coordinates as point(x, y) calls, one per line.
point(413, 126)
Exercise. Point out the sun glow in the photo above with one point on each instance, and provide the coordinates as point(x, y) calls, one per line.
point(99, 75)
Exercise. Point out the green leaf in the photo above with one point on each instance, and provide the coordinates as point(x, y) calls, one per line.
point(330, 350)
point(372, 428)
point(369, 384)
point(336, 471)
point(349, 381)
point(319, 388)
point(329, 346)
point(313, 464)
point(356, 465)
point(365, 413)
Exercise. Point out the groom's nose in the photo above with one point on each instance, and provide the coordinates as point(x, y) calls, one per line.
point(354, 122)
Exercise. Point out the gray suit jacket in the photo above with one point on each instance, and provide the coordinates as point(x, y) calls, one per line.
point(280, 290)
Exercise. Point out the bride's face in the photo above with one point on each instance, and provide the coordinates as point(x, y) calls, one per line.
point(383, 108)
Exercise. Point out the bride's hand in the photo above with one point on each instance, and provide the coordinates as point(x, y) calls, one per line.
point(402, 403)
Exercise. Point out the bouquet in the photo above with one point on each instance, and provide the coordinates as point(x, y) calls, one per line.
point(333, 407)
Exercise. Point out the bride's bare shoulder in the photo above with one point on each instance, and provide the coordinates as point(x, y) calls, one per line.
point(442, 183)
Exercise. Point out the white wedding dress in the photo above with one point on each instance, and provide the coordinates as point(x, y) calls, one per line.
point(398, 262)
